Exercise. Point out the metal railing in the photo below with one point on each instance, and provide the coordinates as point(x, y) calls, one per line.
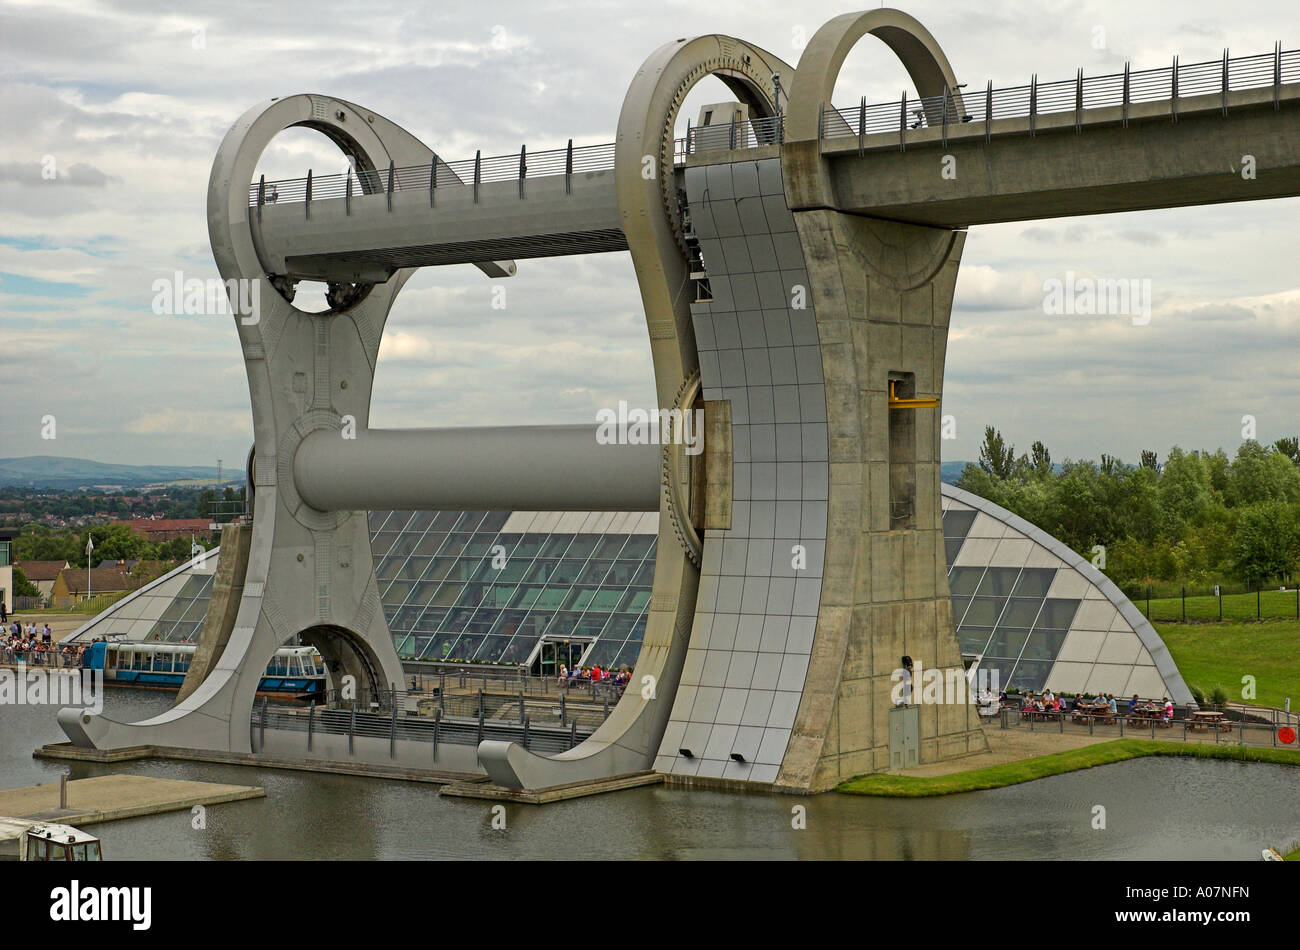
point(1247, 731)
point(750, 133)
point(471, 172)
point(1078, 95)
point(54, 658)
point(437, 718)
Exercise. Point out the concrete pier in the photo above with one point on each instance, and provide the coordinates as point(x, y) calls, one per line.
point(553, 793)
point(113, 797)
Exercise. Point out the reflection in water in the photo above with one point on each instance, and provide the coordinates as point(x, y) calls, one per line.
point(1155, 808)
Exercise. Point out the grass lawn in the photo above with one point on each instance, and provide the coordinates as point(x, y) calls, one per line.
point(1273, 604)
point(1220, 654)
point(1013, 773)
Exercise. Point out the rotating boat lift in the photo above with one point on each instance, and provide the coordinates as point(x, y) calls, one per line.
point(748, 670)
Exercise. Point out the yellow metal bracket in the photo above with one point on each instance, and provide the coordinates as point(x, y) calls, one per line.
point(896, 403)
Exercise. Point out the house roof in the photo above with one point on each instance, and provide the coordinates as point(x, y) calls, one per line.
point(41, 570)
point(107, 578)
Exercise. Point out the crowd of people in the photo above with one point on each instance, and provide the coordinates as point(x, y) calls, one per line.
point(1099, 705)
point(583, 675)
point(36, 647)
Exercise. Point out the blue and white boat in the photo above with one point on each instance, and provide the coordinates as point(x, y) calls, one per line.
point(297, 671)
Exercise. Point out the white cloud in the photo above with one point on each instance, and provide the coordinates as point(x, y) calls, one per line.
point(121, 90)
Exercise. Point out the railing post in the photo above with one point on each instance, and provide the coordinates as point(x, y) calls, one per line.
point(564, 710)
point(433, 179)
point(687, 147)
point(390, 184)
point(1078, 102)
point(568, 167)
point(1173, 91)
point(480, 721)
point(392, 723)
point(1125, 114)
point(523, 168)
point(311, 724)
point(821, 121)
point(988, 112)
point(945, 117)
point(902, 124)
point(1224, 91)
point(437, 723)
point(862, 125)
point(1033, 105)
point(261, 740)
point(261, 196)
point(525, 732)
point(573, 733)
point(478, 173)
point(605, 699)
point(306, 205)
point(352, 730)
point(1277, 74)
point(347, 197)
point(521, 705)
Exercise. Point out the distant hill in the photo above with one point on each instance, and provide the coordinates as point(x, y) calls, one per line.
point(949, 471)
point(50, 471)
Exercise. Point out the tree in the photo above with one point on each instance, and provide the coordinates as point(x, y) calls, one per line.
point(1267, 541)
point(1289, 447)
point(1259, 474)
point(1149, 460)
point(113, 542)
point(39, 543)
point(1040, 459)
point(996, 456)
point(22, 586)
point(1184, 492)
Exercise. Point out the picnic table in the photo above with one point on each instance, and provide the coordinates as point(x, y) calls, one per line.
point(1147, 713)
point(1203, 721)
point(1095, 710)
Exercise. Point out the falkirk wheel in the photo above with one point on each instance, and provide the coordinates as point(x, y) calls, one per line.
point(823, 438)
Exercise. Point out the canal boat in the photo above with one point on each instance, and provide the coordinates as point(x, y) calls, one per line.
point(295, 671)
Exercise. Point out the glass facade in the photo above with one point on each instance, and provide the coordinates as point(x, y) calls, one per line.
point(499, 586)
point(1004, 614)
point(491, 586)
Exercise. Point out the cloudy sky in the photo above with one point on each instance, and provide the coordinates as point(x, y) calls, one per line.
point(126, 103)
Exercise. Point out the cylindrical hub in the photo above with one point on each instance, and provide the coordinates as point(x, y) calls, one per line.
point(526, 468)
